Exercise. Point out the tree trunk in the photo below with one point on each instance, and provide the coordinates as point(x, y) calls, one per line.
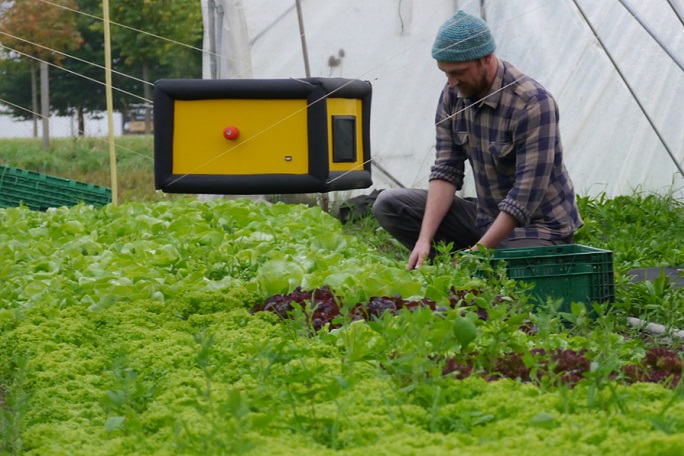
point(81, 121)
point(34, 98)
point(45, 103)
point(147, 93)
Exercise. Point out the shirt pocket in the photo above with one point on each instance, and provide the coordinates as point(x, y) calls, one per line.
point(460, 138)
point(461, 141)
point(501, 149)
point(503, 157)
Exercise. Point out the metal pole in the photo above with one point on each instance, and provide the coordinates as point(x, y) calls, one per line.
point(655, 129)
point(650, 31)
point(219, 44)
point(387, 174)
point(302, 36)
point(211, 14)
point(679, 11)
point(325, 199)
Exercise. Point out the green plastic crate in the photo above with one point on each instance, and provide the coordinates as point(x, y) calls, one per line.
point(572, 272)
point(41, 191)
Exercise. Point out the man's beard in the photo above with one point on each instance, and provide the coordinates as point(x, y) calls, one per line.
point(478, 90)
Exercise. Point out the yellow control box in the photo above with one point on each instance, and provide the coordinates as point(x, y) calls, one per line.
point(255, 136)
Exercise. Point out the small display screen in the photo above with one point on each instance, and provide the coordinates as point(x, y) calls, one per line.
point(344, 138)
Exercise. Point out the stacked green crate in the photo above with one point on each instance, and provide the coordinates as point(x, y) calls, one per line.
point(41, 191)
point(573, 272)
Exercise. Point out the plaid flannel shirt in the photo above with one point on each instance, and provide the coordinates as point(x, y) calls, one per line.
point(512, 142)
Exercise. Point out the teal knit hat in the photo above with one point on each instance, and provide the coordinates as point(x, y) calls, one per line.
point(461, 38)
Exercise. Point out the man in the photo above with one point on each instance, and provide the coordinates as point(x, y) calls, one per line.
point(506, 125)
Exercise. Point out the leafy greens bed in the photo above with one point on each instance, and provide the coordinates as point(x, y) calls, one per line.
point(132, 330)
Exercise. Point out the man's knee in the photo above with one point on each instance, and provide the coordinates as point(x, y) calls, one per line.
point(384, 203)
point(382, 206)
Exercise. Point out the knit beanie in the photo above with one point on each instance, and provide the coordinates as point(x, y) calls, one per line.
point(461, 38)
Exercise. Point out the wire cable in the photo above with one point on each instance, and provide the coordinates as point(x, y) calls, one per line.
point(73, 57)
point(133, 29)
point(73, 72)
point(39, 115)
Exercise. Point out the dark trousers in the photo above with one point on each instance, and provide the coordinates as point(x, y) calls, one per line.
point(400, 212)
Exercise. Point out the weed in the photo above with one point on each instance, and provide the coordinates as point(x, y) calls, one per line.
point(14, 402)
point(225, 416)
point(127, 399)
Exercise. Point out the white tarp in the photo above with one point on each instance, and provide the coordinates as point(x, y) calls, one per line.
point(609, 143)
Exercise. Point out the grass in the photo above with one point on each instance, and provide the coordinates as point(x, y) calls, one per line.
point(88, 160)
point(645, 230)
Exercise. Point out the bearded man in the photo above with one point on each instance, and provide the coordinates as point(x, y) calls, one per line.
point(505, 124)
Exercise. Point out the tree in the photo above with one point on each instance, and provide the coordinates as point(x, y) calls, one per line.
point(35, 29)
point(177, 21)
point(75, 90)
point(15, 86)
point(79, 89)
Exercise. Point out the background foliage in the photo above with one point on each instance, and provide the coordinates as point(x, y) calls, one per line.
point(150, 39)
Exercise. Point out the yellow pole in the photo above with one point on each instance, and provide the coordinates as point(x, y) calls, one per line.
point(110, 102)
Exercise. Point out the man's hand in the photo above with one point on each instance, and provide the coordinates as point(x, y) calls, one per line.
point(420, 252)
point(439, 199)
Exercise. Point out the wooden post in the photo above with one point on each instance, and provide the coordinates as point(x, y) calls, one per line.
point(110, 102)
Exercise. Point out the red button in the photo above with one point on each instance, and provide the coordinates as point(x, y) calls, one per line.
point(231, 133)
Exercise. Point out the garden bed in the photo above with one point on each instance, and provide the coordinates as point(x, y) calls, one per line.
point(135, 330)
